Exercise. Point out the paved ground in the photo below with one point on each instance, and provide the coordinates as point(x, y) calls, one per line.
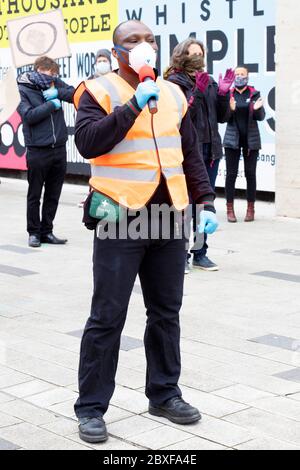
point(240, 338)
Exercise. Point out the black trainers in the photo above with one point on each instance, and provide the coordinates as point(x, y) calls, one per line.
point(92, 430)
point(176, 410)
point(205, 263)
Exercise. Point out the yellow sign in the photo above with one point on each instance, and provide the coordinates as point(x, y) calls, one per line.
point(85, 20)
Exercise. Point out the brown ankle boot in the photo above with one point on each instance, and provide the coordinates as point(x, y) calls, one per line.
point(250, 212)
point(230, 212)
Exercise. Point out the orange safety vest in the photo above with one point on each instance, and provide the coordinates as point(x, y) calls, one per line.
point(130, 173)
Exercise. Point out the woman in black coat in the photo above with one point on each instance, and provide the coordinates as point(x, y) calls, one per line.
point(242, 136)
point(208, 106)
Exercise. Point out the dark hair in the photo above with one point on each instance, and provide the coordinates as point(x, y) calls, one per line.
point(242, 67)
point(45, 63)
point(180, 53)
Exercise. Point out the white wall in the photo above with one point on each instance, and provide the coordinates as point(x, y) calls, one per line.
point(288, 108)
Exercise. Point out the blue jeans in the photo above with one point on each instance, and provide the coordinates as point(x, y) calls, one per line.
point(212, 167)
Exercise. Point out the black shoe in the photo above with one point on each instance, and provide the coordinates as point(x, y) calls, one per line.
point(34, 241)
point(204, 263)
point(92, 430)
point(176, 410)
point(52, 239)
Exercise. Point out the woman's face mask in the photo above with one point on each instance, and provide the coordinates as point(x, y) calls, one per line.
point(140, 55)
point(240, 81)
point(102, 67)
point(193, 63)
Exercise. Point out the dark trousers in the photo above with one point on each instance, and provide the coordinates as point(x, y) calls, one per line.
point(46, 169)
point(212, 167)
point(160, 266)
point(232, 166)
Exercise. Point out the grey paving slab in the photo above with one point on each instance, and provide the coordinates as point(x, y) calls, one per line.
point(292, 375)
point(133, 426)
point(6, 445)
point(160, 437)
point(129, 400)
point(264, 423)
point(195, 443)
point(288, 251)
point(4, 397)
point(280, 406)
point(128, 343)
point(277, 341)
point(35, 438)
point(242, 393)
point(65, 409)
point(13, 378)
point(14, 271)
point(62, 426)
point(51, 397)
point(76, 333)
point(130, 378)
point(137, 289)
point(28, 388)
point(113, 443)
point(8, 420)
point(264, 443)
point(27, 412)
point(211, 404)
point(18, 249)
point(215, 430)
point(278, 275)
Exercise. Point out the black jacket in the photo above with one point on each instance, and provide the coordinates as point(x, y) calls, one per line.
point(43, 125)
point(232, 135)
point(208, 108)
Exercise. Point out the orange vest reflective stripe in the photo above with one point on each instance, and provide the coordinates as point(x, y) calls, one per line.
point(130, 173)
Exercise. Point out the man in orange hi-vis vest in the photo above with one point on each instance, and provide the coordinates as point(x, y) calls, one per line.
point(141, 159)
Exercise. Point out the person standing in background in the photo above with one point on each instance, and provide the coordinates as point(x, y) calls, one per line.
point(102, 63)
point(242, 135)
point(102, 67)
point(45, 135)
point(208, 106)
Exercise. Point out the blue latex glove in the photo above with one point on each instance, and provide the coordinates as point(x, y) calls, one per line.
point(208, 222)
point(56, 103)
point(50, 94)
point(145, 91)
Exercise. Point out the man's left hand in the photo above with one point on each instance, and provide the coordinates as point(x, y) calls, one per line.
point(50, 94)
point(208, 222)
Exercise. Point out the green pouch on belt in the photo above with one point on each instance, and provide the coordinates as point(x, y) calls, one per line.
point(102, 206)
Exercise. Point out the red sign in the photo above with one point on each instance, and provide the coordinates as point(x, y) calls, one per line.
point(12, 148)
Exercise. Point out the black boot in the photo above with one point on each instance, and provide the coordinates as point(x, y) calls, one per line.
point(92, 429)
point(52, 239)
point(176, 410)
point(34, 241)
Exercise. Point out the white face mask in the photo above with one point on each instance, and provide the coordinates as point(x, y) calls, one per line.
point(140, 55)
point(102, 67)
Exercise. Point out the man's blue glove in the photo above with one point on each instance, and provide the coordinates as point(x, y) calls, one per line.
point(145, 91)
point(208, 222)
point(57, 103)
point(50, 94)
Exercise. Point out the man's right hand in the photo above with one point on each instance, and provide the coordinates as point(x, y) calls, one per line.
point(145, 91)
point(57, 103)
